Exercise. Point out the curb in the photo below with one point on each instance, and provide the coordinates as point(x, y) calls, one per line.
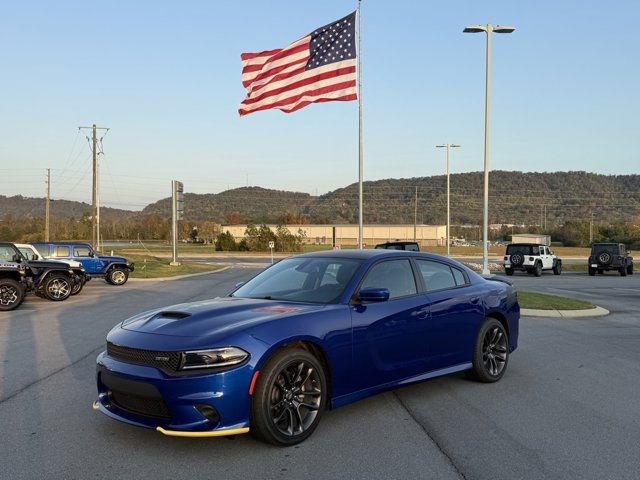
point(178, 277)
point(590, 312)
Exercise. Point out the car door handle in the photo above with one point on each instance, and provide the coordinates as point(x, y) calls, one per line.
point(421, 314)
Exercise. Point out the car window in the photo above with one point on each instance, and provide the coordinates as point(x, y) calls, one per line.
point(27, 252)
point(436, 275)
point(81, 252)
point(459, 276)
point(61, 251)
point(412, 247)
point(7, 253)
point(394, 275)
point(535, 250)
point(43, 250)
point(315, 280)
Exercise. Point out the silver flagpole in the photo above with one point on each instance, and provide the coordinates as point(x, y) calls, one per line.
point(360, 151)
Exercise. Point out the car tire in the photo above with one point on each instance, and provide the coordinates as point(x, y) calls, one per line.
point(490, 352)
point(77, 287)
point(12, 294)
point(279, 380)
point(600, 271)
point(623, 271)
point(557, 268)
point(592, 272)
point(630, 269)
point(508, 271)
point(537, 270)
point(117, 276)
point(57, 288)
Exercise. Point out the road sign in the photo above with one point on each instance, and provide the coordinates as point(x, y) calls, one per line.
point(179, 200)
point(272, 244)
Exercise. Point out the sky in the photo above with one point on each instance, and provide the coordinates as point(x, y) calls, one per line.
point(164, 76)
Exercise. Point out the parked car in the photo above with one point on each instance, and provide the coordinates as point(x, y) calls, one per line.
point(13, 285)
point(409, 246)
point(531, 258)
point(311, 332)
point(30, 253)
point(610, 256)
point(115, 270)
point(48, 279)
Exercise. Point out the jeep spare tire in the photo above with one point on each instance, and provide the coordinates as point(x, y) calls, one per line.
point(517, 259)
point(604, 258)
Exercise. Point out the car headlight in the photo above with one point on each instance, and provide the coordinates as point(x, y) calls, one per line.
point(217, 357)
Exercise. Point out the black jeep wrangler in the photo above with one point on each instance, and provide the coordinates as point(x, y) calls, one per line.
point(409, 246)
point(13, 285)
point(49, 279)
point(610, 256)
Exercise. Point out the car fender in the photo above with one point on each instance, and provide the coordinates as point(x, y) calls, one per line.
point(111, 266)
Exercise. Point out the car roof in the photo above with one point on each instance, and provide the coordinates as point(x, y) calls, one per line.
point(61, 243)
point(368, 253)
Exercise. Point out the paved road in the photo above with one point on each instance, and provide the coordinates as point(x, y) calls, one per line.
point(567, 407)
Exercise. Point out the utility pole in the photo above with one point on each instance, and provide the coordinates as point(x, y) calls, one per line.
point(448, 146)
point(46, 206)
point(95, 207)
point(591, 230)
point(415, 215)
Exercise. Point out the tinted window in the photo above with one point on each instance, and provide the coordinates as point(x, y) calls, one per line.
point(459, 276)
point(315, 280)
point(43, 250)
point(412, 247)
point(7, 253)
point(81, 252)
point(27, 252)
point(523, 249)
point(61, 252)
point(436, 275)
point(394, 275)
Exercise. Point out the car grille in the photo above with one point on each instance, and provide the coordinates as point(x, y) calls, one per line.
point(153, 407)
point(138, 397)
point(168, 361)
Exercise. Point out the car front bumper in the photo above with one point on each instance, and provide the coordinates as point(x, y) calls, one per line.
point(147, 397)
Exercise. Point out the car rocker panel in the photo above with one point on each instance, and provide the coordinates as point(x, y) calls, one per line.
point(214, 367)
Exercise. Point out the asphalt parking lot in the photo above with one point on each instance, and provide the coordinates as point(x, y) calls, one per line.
point(566, 408)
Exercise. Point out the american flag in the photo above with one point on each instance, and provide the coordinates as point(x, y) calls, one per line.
point(320, 67)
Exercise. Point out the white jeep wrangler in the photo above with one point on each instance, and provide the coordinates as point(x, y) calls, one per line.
point(531, 258)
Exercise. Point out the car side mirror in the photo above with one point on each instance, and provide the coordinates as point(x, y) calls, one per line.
point(91, 254)
point(372, 295)
point(16, 258)
point(34, 257)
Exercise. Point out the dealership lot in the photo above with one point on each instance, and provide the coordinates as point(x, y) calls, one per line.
point(567, 407)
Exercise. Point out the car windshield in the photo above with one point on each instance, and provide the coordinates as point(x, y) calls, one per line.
point(523, 249)
point(302, 279)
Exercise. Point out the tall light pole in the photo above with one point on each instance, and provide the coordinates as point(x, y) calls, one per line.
point(448, 146)
point(488, 29)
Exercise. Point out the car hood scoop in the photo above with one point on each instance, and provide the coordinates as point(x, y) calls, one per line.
point(199, 319)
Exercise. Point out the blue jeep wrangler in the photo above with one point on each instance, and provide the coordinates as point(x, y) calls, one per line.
point(115, 270)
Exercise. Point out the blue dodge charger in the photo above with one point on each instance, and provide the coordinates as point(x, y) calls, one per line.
point(312, 332)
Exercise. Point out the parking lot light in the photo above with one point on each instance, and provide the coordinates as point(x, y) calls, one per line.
point(488, 29)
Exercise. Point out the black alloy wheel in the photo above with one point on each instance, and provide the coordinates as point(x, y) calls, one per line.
point(289, 398)
point(11, 294)
point(491, 352)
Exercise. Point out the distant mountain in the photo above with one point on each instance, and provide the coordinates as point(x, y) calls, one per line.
point(515, 197)
point(31, 207)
